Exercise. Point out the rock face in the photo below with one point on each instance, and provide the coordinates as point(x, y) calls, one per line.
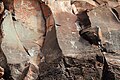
point(40, 40)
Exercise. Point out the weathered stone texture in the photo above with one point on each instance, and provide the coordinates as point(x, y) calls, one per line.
point(40, 41)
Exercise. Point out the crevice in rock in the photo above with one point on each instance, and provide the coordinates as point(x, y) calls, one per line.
point(86, 31)
point(43, 14)
point(108, 73)
point(96, 2)
point(24, 73)
point(115, 13)
point(83, 20)
point(67, 72)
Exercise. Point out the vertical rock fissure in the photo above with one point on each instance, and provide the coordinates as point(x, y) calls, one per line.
point(42, 11)
point(115, 13)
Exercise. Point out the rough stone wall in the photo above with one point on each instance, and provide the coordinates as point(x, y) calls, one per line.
point(40, 41)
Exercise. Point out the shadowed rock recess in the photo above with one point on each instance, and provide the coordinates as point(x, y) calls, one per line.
point(60, 40)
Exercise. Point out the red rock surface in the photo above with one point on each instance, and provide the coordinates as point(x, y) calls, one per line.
point(49, 34)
